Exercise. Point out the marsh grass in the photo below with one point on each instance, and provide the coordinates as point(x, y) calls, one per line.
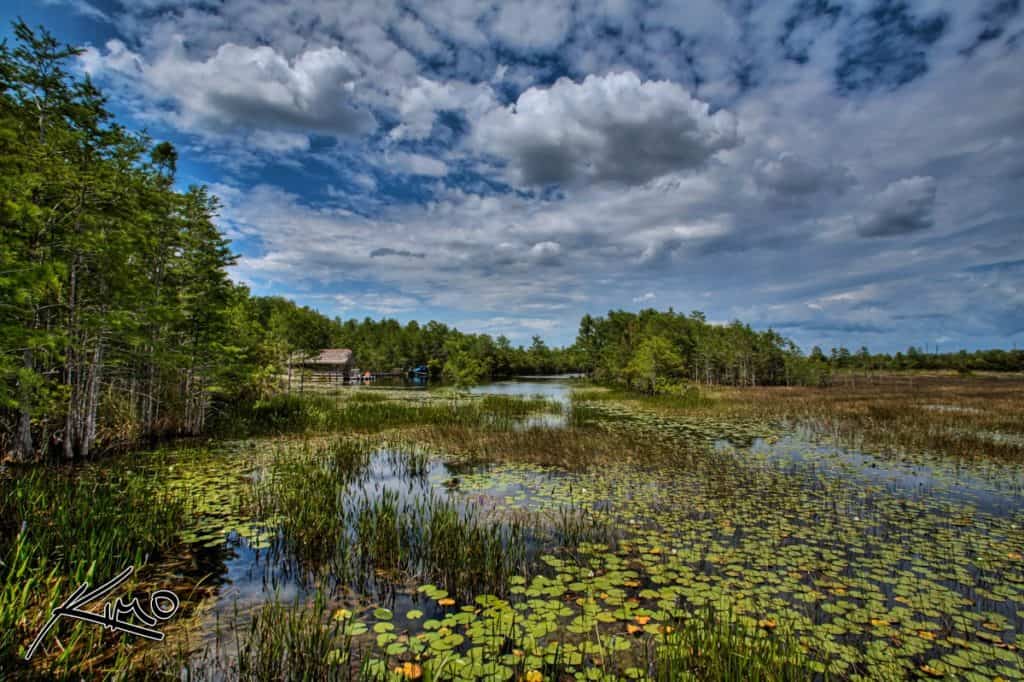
point(575, 448)
point(953, 415)
point(518, 406)
point(708, 646)
point(283, 640)
point(402, 500)
point(691, 399)
point(328, 521)
point(369, 412)
point(60, 529)
point(946, 414)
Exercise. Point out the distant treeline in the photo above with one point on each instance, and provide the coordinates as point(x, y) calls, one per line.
point(994, 360)
point(384, 345)
point(658, 351)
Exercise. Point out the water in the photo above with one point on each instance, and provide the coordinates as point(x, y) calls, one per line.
point(554, 389)
point(739, 522)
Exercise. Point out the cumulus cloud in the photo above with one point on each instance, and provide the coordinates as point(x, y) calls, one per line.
point(905, 206)
point(613, 128)
point(789, 175)
point(416, 164)
point(253, 88)
point(421, 100)
point(546, 253)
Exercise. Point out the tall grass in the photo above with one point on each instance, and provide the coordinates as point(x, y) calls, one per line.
point(330, 524)
point(281, 641)
point(368, 412)
point(692, 398)
point(706, 646)
point(518, 406)
point(59, 529)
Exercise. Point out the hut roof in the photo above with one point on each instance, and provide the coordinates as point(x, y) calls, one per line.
point(328, 356)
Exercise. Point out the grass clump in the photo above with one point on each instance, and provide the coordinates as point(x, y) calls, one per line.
point(281, 641)
point(59, 529)
point(517, 406)
point(329, 523)
point(707, 647)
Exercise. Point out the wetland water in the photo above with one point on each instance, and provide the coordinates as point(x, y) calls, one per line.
point(879, 566)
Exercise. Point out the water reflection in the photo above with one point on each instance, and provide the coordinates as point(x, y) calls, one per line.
point(549, 389)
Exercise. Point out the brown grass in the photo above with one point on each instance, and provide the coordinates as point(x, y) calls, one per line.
point(946, 413)
point(570, 448)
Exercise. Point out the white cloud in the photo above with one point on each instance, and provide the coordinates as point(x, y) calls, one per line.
point(546, 253)
point(253, 88)
point(83, 7)
point(533, 24)
point(416, 164)
point(420, 101)
point(696, 158)
point(607, 128)
point(789, 175)
point(518, 329)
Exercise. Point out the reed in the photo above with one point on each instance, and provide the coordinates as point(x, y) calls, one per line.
point(707, 646)
point(329, 523)
point(61, 528)
point(368, 413)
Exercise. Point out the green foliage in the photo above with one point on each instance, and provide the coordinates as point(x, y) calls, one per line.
point(387, 344)
point(654, 361)
point(710, 647)
point(462, 369)
point(638, 349)
point(113, 283)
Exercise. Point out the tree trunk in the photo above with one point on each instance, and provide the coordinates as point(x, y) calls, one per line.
point(92, 400)
point(23, 442)
point(69, 364)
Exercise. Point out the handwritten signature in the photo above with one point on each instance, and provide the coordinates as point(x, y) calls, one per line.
point(163, 604)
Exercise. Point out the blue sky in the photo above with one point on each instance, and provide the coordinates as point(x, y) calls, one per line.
point(847, 172)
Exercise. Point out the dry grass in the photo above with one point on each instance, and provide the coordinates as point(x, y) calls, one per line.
point(946, 413)
point(572, 449)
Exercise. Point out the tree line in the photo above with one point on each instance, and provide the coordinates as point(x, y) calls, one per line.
point(115, 304)
point(656, 351)
point(916, 358)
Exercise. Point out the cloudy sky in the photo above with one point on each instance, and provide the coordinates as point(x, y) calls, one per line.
point(845, 171)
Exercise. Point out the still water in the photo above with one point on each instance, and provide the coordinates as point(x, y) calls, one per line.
point(761, 504)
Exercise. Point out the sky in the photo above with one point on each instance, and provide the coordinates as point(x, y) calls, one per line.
point(847, 172)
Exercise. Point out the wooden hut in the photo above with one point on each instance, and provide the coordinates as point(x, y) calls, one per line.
point(330, 366)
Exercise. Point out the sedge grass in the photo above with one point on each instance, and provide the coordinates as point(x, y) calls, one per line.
point(61, 529)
